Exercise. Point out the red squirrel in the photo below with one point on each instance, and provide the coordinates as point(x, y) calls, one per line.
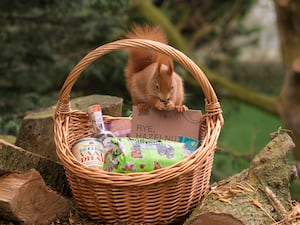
point(150, 76)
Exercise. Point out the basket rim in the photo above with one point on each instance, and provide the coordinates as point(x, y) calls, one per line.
point(213, 117)
point(212, 105)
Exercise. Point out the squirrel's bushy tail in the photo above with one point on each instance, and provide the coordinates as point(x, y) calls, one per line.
point(140, 58)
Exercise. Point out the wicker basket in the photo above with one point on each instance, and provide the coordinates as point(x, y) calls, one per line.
point(157, 197)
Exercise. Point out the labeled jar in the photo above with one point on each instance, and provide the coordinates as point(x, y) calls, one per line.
point(89, 151)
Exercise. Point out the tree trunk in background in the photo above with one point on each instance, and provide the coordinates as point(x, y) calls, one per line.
point(288, 23)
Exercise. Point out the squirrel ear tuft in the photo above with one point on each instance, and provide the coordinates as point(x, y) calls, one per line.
point(167, 61)
point(170, 66)
point(159, 66)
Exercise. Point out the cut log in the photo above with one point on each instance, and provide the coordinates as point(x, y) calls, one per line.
point(25, 198)
point(36, 133)
point(258, 195)
point(13, 158)
point(9, 138)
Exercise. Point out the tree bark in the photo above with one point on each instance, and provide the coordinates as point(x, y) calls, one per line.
point(25, 198)
point(247, 198)
point(290, 104)
point(288, 23)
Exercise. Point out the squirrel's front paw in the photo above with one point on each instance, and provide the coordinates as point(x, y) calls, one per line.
point(159, 105)
point(170, 106)
point(143, 108)
point(181, 108)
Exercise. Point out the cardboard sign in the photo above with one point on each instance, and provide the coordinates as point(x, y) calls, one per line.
point(165, 125)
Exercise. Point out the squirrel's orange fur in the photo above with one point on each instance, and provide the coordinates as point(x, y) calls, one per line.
point(150, 76)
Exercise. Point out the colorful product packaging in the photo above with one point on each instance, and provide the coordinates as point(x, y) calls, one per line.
point(142, 155)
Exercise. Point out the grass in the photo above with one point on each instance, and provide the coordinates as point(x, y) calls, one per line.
point(246, 128)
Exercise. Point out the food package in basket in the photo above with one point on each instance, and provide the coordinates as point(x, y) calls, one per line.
point(120, 126)
point(142, 155)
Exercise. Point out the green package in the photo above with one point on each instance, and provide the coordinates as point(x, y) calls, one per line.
point(141, 155)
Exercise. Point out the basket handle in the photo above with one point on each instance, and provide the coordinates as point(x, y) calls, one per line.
point(211, 101)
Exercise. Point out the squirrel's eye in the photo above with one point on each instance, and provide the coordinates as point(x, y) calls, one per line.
point(157, 86)
point(172, 87)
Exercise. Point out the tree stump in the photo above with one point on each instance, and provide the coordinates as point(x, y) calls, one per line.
point(13, 158)
point(258, 195)
point(36, 133)
point(25, 198)
point(8, 138)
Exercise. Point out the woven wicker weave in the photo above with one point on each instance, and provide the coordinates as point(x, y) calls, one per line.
point(157, 197)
